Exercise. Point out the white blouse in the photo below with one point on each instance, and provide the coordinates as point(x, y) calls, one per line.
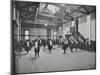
point(36, 44)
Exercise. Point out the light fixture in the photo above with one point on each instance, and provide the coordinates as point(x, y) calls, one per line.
point(45, 24)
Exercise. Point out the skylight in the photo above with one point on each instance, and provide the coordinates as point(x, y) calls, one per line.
point(53, 8)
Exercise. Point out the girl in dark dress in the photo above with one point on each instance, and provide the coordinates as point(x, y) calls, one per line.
point(76, 45)
point(71, 45)
point(50, 45)
point(27, 46)
point(44, 43)
point(65, 45)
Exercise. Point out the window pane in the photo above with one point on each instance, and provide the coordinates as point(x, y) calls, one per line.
point(26, 34)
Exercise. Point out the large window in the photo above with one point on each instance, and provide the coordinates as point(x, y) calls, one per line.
point(26, 34)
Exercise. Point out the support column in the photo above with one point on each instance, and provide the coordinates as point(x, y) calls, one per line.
point(20, 29)
point(14, 13)
point(63, 31)
point(17, 20)
point(89, 23)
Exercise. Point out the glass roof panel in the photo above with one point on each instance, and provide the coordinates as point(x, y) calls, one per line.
point(53, 8)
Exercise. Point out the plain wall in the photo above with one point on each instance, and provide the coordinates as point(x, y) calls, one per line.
point(86, 30)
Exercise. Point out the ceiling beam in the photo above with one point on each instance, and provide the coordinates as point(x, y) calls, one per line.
point(79, 7)
point(32, 25)
point(21, 4)
point(73, 19)
point(46, 5)
point(68, 15)
point(84, 7)
point(66, 18)
point(79, 11)
point(93, 11)
point(61, 22)
point(27, 14)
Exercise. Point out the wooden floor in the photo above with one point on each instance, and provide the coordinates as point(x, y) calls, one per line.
point(56, 61)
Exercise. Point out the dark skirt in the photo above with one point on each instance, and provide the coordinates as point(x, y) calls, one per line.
point(64, 47)
point(71, 46)
point(36, 50)
point(50, 47)
point(27, 48)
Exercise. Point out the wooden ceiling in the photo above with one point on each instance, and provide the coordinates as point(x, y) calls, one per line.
point(50, 13)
